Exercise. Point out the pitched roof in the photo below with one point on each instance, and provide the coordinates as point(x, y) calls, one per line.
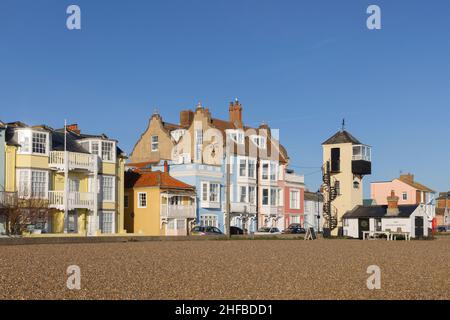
point(312, 196)
point(415, 184)
point(380, 211)
point(141, 178)
point(342, 137)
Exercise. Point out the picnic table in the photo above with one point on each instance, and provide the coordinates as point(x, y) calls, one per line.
point(390, 235)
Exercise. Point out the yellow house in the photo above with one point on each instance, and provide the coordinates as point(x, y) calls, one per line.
point(157, 204)
point(80, 176)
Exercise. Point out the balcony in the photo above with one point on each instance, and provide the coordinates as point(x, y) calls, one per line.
point(8, 199)
point(271, 210)
point(178, 211)
point(77, 161)
point(242, 207)
point(76, 200)
point(361, 160)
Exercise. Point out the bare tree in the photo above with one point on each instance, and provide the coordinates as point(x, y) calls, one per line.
point(20, 213)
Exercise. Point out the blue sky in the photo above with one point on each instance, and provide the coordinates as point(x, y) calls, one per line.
point(301, 66)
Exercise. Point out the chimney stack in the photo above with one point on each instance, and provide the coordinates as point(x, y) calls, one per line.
point(186, 118)
point(392, 201)
point(236, 112)
point(74, 128)
point(409, 177)
point(166, 167)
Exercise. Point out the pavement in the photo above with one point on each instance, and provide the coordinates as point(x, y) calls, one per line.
point(235, 269)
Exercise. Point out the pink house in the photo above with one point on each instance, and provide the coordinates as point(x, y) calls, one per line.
point(294, 194)
point(408, 190)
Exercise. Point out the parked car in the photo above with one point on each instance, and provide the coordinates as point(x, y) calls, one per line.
point(294, 228)
point(267, 230)
point(443, 229)
point(206, 231)
point(236, 230)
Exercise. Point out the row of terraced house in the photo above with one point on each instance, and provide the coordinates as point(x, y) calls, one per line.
point(174, 178)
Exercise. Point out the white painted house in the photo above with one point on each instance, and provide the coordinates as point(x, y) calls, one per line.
point(410, 218)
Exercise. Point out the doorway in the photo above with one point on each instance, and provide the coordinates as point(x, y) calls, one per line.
point(72, 222)
point(363, 225)
point(418, 227)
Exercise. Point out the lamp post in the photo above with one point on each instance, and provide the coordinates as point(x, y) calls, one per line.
point(318, 211)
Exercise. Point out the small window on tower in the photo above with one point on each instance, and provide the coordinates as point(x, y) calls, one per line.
point(355, 184)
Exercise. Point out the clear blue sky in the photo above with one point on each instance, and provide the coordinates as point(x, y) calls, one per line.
point(299, 65)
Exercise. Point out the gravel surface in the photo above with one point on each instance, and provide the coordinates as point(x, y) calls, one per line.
point(238, 269)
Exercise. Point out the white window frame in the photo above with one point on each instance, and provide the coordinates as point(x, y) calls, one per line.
point(113, 191)
point(245, 189)
point(206, 191)
point(294, 201)
point(259, 141)
point(251, 173)
point(240, 160)
point(209, 220)
point(140, 205)
point(154, 145)
point(101, 221)
point(210, 193)
point(265, 163)
point(112, 151)
point(404, 196)
point(254, 194)
point(198, 144)
point(25, 140)
point(28, 193)
point(268, 196)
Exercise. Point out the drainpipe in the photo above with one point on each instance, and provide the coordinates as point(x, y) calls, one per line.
point(66, 178)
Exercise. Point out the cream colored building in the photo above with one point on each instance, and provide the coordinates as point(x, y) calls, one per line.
point(345, 163)
point(80, 176)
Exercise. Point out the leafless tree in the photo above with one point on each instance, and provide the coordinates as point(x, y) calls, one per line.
point(20, 213)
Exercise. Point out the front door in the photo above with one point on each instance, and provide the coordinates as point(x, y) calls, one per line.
point(363, 225)
point(72, 218)
point(419, 227)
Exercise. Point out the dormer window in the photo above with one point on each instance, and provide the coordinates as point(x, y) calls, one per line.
point(236, 135)
point(361, 152)
point(105, 150)
point(33, 142)
point(260, 141)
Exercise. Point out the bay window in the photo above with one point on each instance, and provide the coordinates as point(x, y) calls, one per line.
point(32, 183)
point(252, 194)
point(33, 142)
point(251, 168)
point(242, 167)
point(294, 199)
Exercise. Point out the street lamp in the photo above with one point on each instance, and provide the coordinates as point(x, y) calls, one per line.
point(318, 211)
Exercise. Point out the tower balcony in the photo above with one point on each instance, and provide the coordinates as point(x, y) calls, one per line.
point(76, 161)
point(75, 200)
point(361, 160)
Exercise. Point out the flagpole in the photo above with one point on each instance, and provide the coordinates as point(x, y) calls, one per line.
point(66, 174)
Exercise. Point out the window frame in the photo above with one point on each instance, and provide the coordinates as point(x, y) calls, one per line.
point(29, 193)
point(113, 185)
point(25, 139)
point(139, 199)
point(153, 143)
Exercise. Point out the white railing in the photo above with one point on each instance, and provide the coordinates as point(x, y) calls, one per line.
point(75, 200)
point(178, 211)
point(236, 207)
point(76, 160)
point(271, 210)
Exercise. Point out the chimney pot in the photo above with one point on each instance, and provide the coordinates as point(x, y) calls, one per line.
point(73, 127)
point(166, 167)
point(392, 201)
point(235, 111)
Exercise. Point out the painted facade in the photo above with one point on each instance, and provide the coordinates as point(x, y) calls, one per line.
point(156, 204)
point(411, 218)
point(345, 162)
point(409, 190)
point(198, 157)
point(443, 209)
point(293, 187)
point(313, 208)
point(80, 176)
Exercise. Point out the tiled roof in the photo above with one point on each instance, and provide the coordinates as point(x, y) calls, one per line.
point(140, 178)
point(380, 211)
point(342, 137)
point(415, 185)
